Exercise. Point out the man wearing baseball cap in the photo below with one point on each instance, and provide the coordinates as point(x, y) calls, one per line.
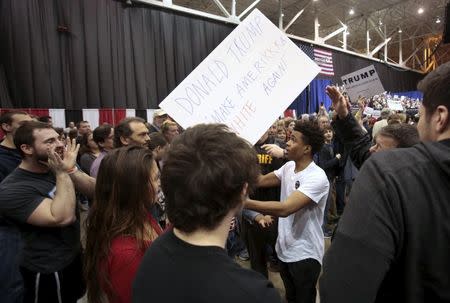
point(159, 116)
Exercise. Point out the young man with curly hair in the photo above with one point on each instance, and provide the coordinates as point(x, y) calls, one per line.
point(304, 192)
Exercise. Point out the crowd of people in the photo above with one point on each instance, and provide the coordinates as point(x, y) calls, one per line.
point(165, 207)
point(380, 102)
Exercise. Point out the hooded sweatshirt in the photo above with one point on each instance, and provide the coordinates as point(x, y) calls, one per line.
point(393, 241)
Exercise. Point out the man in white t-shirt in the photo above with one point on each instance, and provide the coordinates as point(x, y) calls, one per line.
point(304, 192)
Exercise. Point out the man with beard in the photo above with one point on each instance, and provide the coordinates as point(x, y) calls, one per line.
point(131, 131)
point(39, 198)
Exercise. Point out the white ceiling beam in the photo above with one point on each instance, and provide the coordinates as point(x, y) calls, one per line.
point(190, 11)
point(222, 8)
point(280, 14)
point(251, 6)
point(327, 46)
point(376, 49)
point(336, 32)
point(376, 28)
point(294, 19)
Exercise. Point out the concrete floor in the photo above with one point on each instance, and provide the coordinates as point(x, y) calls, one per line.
point(275, 278)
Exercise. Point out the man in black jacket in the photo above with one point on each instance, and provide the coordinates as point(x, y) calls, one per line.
point(393, 240)
point(358, 142)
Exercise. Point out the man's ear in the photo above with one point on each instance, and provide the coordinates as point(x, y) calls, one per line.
point(442, 119)
point(124, 140)
point(244, 192)
point(307, 149)
point(26, 149)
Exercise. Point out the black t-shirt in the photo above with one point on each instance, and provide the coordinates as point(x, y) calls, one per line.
point(267, 164)
point(9, 159)
point(46, 249)
point(174, 271)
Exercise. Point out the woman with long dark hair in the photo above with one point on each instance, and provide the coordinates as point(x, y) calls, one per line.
point(119, 226)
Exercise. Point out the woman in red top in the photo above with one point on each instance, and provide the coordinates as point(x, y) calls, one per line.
point(119, 226)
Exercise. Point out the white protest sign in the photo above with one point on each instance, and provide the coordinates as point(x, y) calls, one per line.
point(368, 110)
point(364, 82)
point(246, 82)
point(376, 113)
point(395, 104)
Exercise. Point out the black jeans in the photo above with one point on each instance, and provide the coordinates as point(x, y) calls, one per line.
point(67, 285)
point(340, 195)
point(256, 239)
point(300, 279)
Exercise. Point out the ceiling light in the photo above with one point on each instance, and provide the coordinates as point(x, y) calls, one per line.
point(351, 12)
point(314, 0)
point(380, 23)
point(438, 20)
point(420, 10)
point(400, 30)
point(318, 24)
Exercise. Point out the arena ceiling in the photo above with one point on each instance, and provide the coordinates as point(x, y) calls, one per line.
point(420, 32)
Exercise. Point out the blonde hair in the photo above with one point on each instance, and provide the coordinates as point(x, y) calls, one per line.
point(166, 125)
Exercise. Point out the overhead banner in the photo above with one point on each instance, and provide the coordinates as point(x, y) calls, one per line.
point(246, 82)
point(362, 83)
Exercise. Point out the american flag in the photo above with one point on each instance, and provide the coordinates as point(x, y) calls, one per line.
point(323, 58)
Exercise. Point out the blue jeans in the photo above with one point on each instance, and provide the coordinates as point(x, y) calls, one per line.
point(234, 243)
point(11, 284)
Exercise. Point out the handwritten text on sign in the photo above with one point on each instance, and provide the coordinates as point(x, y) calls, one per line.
point(246, 82)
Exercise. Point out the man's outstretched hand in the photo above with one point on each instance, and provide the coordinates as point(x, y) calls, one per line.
point(340, 103)
point(273, 150)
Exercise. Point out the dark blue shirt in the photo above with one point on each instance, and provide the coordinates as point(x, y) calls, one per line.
point(9, 159)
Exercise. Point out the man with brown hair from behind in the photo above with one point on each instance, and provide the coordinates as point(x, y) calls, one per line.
point(205, 186)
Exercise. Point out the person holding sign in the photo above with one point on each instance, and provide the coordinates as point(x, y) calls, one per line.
point(304, 192)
